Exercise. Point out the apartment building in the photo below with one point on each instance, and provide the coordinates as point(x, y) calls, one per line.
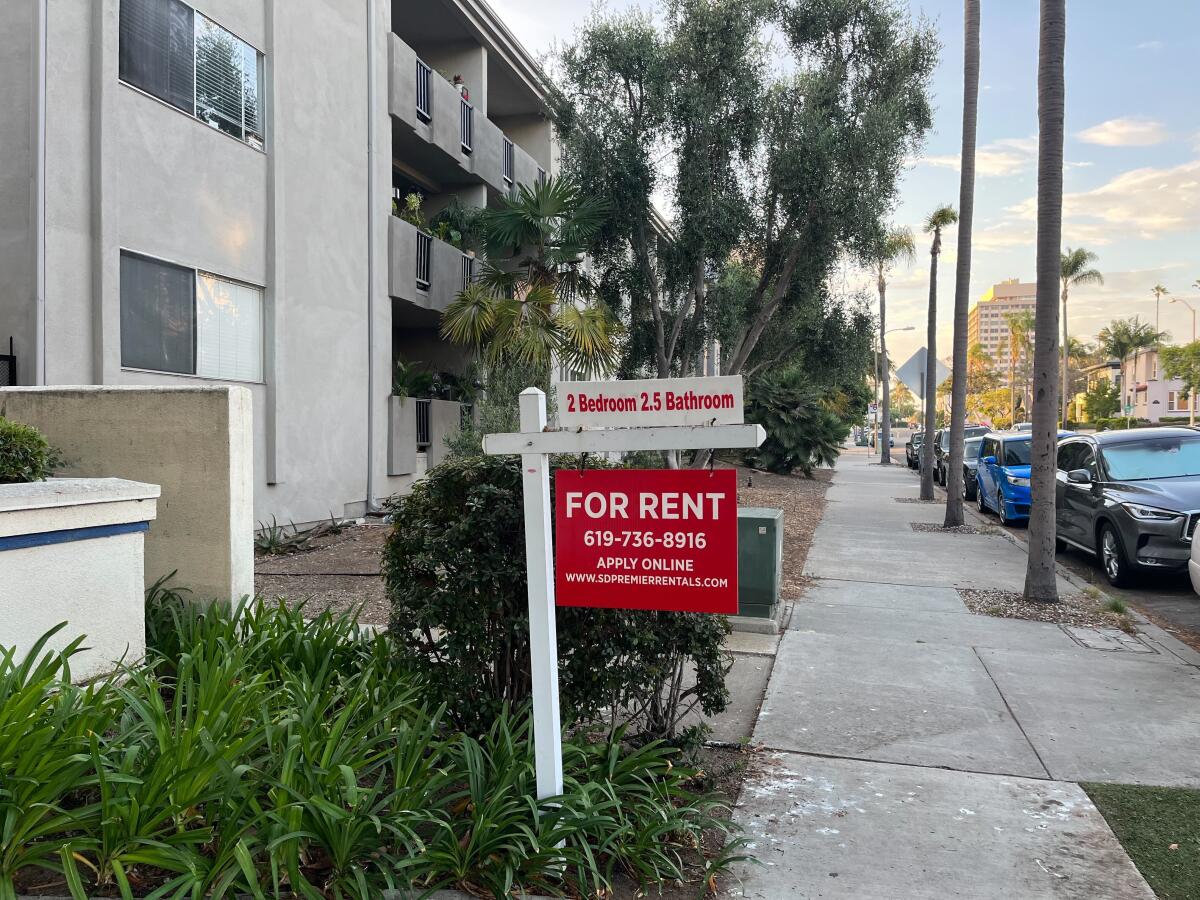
point(202, 190)
point(987, 324)
point(1146, 395)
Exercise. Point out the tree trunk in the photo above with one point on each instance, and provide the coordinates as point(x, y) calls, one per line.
point(1040, 582)
point(641, 249)
point(1066, 377)
point(885, 409)
point(962, 276)
point(930, 375)
point(1012, 382)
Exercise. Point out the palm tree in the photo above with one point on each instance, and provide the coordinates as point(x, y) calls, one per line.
point(896, 245)
point(1020, 328)
point(1159, 292)
point(1121, 337)
point(1041, 582)
point(962, 277)
point(941, 218)
point(532, 303)
point(1076, 271)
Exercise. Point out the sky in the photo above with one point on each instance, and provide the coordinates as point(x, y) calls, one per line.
point(1132, 154)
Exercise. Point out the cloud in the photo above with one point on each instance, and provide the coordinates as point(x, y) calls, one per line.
point(1125, 132)
point(1149, 45)
point(998, 159)
point(1145, 203)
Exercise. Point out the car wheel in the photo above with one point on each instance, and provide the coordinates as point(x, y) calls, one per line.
point(1004, 520)
point(980, 500)
point(1112, 557)
point(969, 490)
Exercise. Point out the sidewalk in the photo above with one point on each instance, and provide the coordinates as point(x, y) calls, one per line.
point(918, 750)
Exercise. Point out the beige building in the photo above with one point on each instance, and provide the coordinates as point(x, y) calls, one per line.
point(986, 322)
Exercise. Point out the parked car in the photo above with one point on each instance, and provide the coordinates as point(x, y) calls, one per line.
point(970, 464)
point(941, 450)
point(1024, 426)
point(912, 449)
point(1194, 562)
point(1002, 475)
point(1130, 498)
point(891, 440)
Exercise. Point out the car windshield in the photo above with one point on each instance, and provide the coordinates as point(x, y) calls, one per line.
point(971, 449)
point(1016, 453)
point(1160, 457)
point(917, 438)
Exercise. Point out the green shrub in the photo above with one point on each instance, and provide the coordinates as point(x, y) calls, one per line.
point(802, 431)
point(257, 754)
point(454, 566)
point(25, 454)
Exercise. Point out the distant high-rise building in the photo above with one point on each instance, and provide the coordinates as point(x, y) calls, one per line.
point(987, 324)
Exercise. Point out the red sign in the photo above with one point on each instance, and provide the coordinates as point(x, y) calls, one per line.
point(647, 539)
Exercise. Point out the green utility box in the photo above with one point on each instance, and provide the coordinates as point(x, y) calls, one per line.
point(760, 561)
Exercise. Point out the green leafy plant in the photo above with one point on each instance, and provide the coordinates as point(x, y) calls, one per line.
point(409, 380)
point(802, 431)
point(454, 566)
point(25, 454)
point(410, 210)
point(274, 540)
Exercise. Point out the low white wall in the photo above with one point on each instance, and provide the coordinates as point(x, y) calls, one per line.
point(71, 550)
point(195, 442)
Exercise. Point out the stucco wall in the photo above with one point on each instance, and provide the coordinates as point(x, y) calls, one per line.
point(196, 443)
point(17, 310)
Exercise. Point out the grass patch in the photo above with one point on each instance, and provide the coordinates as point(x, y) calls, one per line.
point(1159, 828)
point(1118, 606)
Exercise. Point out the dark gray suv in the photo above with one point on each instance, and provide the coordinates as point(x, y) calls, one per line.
point(1131, 498)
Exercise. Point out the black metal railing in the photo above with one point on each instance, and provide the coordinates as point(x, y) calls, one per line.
point(423, 110)
point(541, 175)
point(508, 161)
point(424, 252)
point(466, 123)
point(422, 409)
point(468, 270)
point(8, 366)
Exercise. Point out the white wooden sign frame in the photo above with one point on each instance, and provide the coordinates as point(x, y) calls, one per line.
point(535, 445)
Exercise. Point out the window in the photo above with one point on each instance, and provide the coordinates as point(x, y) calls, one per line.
point(175, 319)
point(184, 59)
point(1076, 456)
point(1016, 453)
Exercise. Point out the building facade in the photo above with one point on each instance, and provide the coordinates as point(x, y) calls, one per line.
point(988, 326)
point(204, 191)
point(1145, 395)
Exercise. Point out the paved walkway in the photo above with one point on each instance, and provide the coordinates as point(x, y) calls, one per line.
point(916, 750)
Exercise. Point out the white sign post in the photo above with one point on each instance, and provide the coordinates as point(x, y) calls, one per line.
point(535, 446)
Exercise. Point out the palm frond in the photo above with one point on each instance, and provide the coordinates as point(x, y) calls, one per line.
point(470, 319)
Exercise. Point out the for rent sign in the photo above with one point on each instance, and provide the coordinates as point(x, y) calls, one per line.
point(650, 401)
point(647, 539)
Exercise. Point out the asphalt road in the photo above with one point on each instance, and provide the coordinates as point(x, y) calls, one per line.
point(1167, 599)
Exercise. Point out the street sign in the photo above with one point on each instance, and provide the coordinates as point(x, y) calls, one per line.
point(912, 373)
point(661, 539)
point(715, 400)
point(1128, 409)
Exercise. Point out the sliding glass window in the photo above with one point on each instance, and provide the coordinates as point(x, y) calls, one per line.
point(185, 59)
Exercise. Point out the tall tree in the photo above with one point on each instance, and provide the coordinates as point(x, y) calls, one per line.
point(962, 278)
point(1041, 583)
point(1121, 337)
point(1020, 329)
point(1159, 292)
point(941, 218)
point(897, 245)
point(1076, 271)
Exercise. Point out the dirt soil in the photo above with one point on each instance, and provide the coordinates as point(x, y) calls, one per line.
point(933, 527)
point(803, 503)
point(1074, 609)
point(339, 573)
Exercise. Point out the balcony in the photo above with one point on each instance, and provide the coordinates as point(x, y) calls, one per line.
point(421, 426)
point(438, 132)
point(424, 271)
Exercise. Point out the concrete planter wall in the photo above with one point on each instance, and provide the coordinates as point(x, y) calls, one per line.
point(71, 550)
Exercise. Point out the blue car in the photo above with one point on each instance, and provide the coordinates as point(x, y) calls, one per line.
point(1002, 476)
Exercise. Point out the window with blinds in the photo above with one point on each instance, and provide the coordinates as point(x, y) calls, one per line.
point(185, 59)
point(176, 319)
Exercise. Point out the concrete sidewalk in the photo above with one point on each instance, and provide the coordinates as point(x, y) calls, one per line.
point(915, 749)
